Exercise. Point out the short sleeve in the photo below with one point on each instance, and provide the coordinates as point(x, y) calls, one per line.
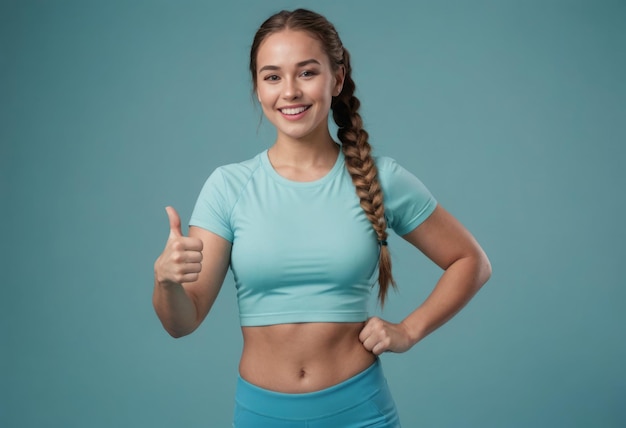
point(407, 201)
point(213, 207)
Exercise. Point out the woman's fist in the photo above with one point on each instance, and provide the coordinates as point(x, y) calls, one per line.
point(378, 336)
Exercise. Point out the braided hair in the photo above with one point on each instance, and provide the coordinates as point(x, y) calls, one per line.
point(345, 109)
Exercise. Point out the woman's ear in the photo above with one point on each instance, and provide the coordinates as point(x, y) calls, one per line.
point(340, 77)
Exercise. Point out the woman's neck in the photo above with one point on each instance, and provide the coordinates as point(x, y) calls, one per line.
point(303, 160)
point(304, 153)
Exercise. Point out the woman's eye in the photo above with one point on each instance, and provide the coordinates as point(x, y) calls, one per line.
point(271, 77)
point(308, 73)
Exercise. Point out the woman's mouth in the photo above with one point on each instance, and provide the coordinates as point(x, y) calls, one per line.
point(293, 112)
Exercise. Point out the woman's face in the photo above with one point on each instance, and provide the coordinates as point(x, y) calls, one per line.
point(295, 84)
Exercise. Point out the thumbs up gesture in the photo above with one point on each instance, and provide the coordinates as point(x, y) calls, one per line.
point(181, 260)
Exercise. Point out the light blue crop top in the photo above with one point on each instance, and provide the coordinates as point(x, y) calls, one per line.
point(304, 251)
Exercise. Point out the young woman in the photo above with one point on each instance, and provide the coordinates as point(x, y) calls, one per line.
point(303, 226)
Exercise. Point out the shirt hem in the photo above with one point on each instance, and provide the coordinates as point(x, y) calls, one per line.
point(304, 317)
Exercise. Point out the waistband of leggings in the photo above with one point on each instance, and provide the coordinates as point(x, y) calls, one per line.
point(325, 402)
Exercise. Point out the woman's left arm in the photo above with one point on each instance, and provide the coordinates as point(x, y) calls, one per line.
point(466, 268)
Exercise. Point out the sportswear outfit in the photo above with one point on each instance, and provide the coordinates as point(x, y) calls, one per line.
point(306, 252)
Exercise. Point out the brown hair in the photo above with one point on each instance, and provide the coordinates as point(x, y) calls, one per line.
point(345, 106)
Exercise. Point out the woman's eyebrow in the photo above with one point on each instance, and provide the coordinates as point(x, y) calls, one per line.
point(300, 64)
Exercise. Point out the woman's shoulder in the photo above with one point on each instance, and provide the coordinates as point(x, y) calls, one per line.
point(408, 202)
point(232, 177)
point(398, 180)
point(385, 162)
point(245, 167)
point(388, 167)
point(237, 173)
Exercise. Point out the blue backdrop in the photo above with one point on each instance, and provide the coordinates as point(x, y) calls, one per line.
point(512, 112)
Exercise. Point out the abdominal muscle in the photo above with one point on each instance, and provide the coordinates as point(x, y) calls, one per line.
point(305, 357)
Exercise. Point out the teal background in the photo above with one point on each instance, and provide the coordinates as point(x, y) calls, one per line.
point(512, 112)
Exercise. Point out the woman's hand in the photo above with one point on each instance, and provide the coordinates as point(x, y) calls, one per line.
point(380, 336)
point(181, 260)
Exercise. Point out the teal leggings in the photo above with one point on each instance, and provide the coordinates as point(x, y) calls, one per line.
point(361, 401)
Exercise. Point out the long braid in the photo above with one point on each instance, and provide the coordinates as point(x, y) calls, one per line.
point(360, 164)
point(345, 106)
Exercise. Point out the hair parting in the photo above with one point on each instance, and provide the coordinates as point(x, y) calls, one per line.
point(354, 139)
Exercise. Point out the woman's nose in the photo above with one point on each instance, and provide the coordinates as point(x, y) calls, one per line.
point(291, 90)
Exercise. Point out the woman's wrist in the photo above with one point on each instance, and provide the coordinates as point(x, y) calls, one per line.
point(416, 331)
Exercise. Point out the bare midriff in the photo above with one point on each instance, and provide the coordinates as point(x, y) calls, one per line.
point(305, 357)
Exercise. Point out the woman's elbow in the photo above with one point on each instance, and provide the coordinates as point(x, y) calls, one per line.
point(177, 333)
point(484, 268)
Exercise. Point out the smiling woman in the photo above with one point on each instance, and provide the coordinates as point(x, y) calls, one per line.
point(320, 210)
point(295, 85)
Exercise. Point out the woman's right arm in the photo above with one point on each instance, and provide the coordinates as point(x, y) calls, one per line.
point(188, 276)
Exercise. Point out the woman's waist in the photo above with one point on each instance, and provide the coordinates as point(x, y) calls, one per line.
point(348, 394)
point(304, 357)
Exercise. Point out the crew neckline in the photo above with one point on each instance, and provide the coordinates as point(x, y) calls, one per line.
point(269, 168)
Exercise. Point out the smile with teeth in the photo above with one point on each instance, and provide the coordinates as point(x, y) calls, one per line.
point(294, 111)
